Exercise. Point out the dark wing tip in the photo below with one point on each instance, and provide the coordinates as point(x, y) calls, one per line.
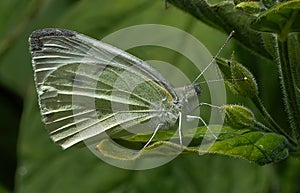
point(34, 39)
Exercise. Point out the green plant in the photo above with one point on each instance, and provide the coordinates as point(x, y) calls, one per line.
point(268, 30)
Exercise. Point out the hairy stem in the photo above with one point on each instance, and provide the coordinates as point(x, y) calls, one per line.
point(275, 127)
point(288, 86)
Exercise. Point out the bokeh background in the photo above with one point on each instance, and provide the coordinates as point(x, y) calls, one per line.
point(31, 163)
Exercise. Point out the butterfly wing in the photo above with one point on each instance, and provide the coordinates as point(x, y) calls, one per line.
point(86, 87)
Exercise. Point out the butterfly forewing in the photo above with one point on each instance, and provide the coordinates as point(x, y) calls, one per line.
point(86, 87)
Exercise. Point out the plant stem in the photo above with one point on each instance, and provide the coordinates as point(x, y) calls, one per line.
point(288, 86)
point(270, 120)
point(262, 126)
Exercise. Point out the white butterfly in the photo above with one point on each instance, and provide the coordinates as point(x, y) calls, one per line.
point(86, 87)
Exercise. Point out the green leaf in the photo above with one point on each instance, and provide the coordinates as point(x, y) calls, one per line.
point(281, 19)
point(258, 147)
point(261, 148)
point(252, 7)
point(226, 17)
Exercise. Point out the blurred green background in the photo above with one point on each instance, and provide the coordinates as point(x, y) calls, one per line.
point(31, 163)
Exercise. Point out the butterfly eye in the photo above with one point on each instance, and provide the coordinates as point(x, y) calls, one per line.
point(198, 89)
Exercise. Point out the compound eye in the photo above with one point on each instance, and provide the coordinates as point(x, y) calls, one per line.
point(197, 88)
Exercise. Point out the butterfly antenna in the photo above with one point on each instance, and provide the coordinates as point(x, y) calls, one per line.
point(222, 80)
point(214, 58)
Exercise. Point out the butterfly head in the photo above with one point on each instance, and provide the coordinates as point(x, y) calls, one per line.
point(188, 93)
point(197, 88)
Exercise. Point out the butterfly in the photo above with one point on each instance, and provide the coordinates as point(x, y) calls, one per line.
point(86, 87)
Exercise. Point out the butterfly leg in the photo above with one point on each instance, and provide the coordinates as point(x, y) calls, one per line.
point(204, 104)
point(210, 105)
point(154, 133)
point(180, 128)
point(208, 129)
